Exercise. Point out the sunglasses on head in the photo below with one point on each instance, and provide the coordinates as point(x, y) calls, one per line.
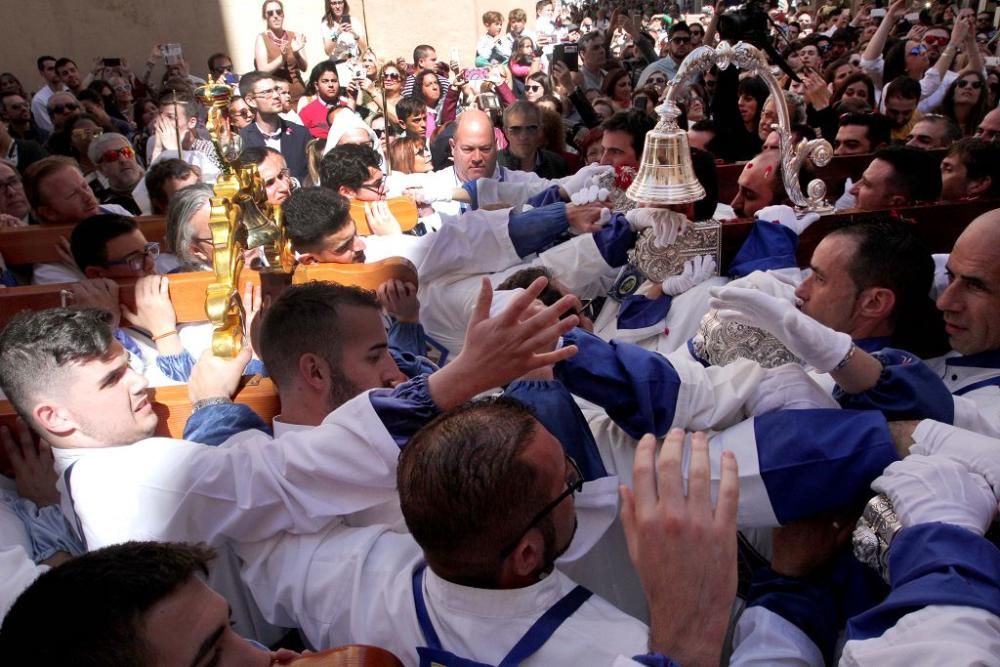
point(87, 132)
point(965, 83)
point(931, 40)
point(275, 12)
point(61, 108)
point(113, 154)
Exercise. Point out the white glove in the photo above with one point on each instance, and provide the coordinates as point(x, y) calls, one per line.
point(667, 225)
point(584, 178)
point(927, 489)
point(696, 270)
point(816, 344)
point(787, 387)
point(979, 453)
point(589, 195)
point(785, 215)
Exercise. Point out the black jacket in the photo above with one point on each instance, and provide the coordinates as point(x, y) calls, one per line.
point(294, 138)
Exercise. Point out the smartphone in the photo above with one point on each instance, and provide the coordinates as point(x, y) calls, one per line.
point(992, 61)
point(878, 13)
point(569, 54)
point(171, 53)
point(112, 62)
point(454, 54)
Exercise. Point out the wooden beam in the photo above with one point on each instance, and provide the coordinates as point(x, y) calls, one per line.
point(36, 244)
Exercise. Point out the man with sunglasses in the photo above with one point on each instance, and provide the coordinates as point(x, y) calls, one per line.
point(116, 163)
point(522, 124)
point(40, 101)
point(678, 47)
point(219, 64)
point(269, 129)
point(16, 112)
point(61, 107)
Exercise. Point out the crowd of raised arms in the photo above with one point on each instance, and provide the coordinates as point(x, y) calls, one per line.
point(531, 444)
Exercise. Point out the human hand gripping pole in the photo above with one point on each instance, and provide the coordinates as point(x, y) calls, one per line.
point(502, 348)
point(816, 344)
point(683, 549)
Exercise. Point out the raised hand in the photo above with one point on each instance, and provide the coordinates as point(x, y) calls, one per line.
point(154, 312)
point(400, 300)
point(32, 463)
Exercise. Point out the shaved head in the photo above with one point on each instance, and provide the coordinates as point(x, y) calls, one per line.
point(474, 146)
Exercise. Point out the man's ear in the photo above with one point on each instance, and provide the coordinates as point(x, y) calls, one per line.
point(898, 201)
point(877, 302)
point(307, 258)
point(347, 192)
point(314, 372)
point(53, 418)
point(977, 187)
point(192, 123)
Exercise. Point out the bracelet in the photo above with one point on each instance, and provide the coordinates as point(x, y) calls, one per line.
point(205, 402)
point(847, 358)
point(172, 332)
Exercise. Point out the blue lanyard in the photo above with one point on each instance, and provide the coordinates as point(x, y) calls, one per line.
point(988, 382)
point(536, 636)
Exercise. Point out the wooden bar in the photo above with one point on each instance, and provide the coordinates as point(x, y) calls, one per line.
point(36, 244)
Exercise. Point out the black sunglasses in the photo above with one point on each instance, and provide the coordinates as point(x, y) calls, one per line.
point(60, 108)
point(573, 485)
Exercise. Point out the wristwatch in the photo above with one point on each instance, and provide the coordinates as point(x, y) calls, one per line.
point(874, 533)
point(205, 402)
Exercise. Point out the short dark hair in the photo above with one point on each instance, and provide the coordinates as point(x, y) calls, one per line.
point(160, 173)
point(981, 159)
point(319, 70)
point(409, 106)
point(256, 155)
point(347, 165)
point(89, 239)
point(215, 56)
point(35, 345)
point(422, 51)
point(306, 319)
point(916, 173)
point(679, 26)
point(466, 490)
point(904, 87)
point(952, 132)
point(62, 62)
point(40, 62)
point(107, 593)
point(523, 108)
point(312, 214)
point(251, 79)
point(889, 254)
point(879, 127)
point(635, 123)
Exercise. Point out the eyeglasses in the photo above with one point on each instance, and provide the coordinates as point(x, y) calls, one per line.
point(114, 154)
point(282, 175)
point(657, 81)
point(391, 76)
point(137, 260)
point(680, 40)
point(62, 108)
point(534, 88)
point(242, 113)
point(267, 93)
point(574, 482)
point(82, 133)
point(123, 88)
point(522, 129)
point(965, 83)
point(918, 50)
point(275, 12)
point(931, 40)
point(377, 187)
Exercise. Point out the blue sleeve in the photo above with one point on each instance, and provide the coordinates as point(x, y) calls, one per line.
point(407, 337)
point(638, 311)
point(555, 408)
point(934, 564)
point(615, 239)
point(176, 366)
point(906, 389)
point(412, 365)
point(405, 409)
point(769, 246)
point(654, 660)
point(534, 230)
point(256, 367)
point(808, 603)
point(814, 461)
point(637, 388)
point(7, 278)
point(48, 530)
point(214, 424)
point(473, 190)
point(549, 195)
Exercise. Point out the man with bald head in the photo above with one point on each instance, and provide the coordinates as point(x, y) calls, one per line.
point(989, 126)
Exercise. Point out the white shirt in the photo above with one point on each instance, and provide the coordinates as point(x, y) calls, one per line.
point(371, 569)
point(40, 106)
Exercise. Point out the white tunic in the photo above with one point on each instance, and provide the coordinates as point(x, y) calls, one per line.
point(350, 585)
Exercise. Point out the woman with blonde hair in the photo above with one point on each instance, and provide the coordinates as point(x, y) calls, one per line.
point(410, 156)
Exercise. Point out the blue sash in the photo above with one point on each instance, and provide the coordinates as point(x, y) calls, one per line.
point(434, 655)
